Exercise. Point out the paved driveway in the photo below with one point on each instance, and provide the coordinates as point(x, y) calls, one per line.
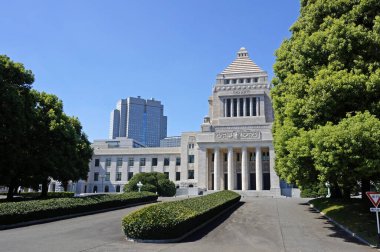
point(257, 224)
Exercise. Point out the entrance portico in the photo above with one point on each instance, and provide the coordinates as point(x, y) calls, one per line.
point(238, 168)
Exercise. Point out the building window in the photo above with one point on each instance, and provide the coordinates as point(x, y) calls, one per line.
point(119, 162)
point(97, 162)
point(166, 174)
point(225, 157)
point(106, 188)
point(130, 175)
point(166, 161)
point(178, 176)
point(95, 189)
point(191, 146)
point(108, 162)
point(248, 80)
point(212, 157)
point(96, 176)
point(247, 106)
point(241, 80)
point(178, 161)
point(191, 159)
point(255, 79)
point(118, 176)
point(252, 156)
point(265, 156)
point(237, 157)
point(190, 174)
point(226, 81)
point(154, 161)
point(107, 176)
point(118, 188)
point(233, 81)
point(142, 161)
point(131, 161)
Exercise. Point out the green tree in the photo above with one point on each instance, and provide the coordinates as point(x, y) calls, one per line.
point(61, 149)
point(152, 182)
point(15, 83)
point(329, 67)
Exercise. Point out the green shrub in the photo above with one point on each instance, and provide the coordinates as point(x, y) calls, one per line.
point(163, 185)
point(314, 191)
point(166, 188)
point(171, 220)
point(49, 194)
point(149, 188)
point(15, 212)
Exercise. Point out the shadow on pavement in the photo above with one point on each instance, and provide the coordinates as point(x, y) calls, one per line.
point(211, 226)
point(337, 231)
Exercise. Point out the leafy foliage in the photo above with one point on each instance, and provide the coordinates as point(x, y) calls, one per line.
point(173, 219)
point(152, 182)
point(14, 212)
point(38, 140)
point(327, 71)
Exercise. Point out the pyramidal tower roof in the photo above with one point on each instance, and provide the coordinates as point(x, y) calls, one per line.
point(242, 64)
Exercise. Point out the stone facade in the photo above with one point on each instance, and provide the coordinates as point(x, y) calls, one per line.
point(233, 150)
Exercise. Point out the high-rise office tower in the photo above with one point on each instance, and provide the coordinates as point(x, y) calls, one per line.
point(139, 119)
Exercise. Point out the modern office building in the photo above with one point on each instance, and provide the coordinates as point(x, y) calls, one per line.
point(234, 149)
point(139, 119)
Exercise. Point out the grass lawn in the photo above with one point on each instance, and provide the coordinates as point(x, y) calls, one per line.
point(353, 214)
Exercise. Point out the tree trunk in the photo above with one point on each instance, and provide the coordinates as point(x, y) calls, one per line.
point(45, 187)
point(336, 193)
point(11, 189)
point(65, 185)
point(366, 187)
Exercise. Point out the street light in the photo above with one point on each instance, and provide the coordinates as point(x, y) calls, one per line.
point(327, 184)
point(139, 185)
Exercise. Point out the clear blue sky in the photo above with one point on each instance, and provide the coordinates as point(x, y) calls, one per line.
point(92, 53)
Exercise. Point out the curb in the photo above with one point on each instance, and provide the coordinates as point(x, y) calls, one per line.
point(348, 231)
point(70, 216)
point(186, 234)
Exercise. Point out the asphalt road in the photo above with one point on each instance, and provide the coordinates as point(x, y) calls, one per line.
point(257, 224)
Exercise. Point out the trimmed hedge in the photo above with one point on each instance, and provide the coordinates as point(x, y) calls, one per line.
point(171, 220)
point(15, 212)
point(49, 194)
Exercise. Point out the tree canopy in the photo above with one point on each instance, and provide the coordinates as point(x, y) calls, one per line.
point(38, 141)
point(152, 182)
point(327, 72)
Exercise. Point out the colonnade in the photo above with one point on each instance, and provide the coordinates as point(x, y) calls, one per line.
point(240, 107)
point(218, 170)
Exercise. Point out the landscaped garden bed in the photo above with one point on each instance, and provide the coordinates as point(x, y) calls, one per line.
point(171, 220)
point(353, 214)
point(15, 212)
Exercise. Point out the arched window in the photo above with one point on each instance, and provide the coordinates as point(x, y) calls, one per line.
point(106, 188)
point(95, 189)
point(118, 188)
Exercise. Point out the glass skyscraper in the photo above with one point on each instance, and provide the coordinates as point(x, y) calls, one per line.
point(139, 119)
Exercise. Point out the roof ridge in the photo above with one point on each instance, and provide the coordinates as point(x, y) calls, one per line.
point(242, 64)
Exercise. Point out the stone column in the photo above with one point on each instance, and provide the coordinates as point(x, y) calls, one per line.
point(257, 106)
point(216, 169)
point(225, 107)
point(244, 106)
point(238, 107)
point(274, 179)
point(251, 107)
point(244, 169)
point(259, 170)
point(232, 107)
point(230, 169)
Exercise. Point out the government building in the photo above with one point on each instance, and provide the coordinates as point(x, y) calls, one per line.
point(233, 150)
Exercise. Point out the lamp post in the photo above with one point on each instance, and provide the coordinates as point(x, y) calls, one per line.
point(327, 184)
point(102, 178)
point(139, 185)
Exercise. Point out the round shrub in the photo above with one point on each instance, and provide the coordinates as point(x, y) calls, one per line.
point(149, 188)
point(150, 180)
point(166, 188)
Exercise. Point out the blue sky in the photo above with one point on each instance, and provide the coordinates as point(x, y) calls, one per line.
point(92, 53)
